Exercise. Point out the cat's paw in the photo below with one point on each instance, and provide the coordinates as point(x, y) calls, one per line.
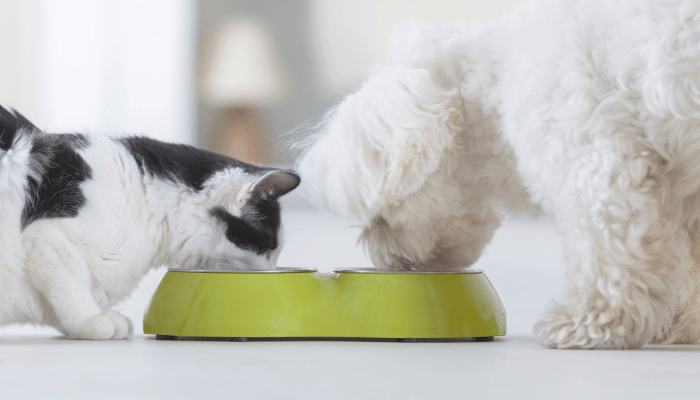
point(110, 325)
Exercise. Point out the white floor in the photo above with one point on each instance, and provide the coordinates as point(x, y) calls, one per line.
point(523, 263)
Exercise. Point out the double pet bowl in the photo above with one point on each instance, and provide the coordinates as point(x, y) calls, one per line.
point(347, 304)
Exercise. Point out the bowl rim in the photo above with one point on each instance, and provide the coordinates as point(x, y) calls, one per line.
point(404, 272)
point(360, 271)
point(281, 270)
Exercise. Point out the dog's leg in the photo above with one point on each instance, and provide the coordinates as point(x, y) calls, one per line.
point(686, 323)
point(625, 250)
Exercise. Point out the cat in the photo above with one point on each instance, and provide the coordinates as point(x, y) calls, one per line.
point(84, 217)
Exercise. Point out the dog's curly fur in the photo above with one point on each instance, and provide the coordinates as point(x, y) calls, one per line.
point(587, 110)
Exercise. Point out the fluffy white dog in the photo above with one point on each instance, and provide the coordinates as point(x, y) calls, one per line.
point(587, 110)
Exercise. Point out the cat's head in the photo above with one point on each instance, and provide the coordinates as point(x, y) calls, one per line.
point(243, 226)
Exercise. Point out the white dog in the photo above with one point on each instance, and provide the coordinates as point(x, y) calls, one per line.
point(587, 110)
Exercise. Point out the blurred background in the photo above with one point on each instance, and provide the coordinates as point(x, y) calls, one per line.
point(234, 76)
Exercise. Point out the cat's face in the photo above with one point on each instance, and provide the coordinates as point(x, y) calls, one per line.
point(243, 214)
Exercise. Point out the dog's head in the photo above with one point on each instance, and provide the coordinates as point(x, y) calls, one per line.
point(392, 156)
point(380, 145)
point(414, 156)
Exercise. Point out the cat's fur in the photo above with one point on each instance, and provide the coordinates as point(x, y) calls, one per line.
point(84, 217)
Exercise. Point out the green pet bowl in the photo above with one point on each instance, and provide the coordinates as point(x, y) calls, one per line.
point(301, 303)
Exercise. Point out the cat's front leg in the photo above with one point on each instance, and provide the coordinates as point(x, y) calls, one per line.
point(58, 269)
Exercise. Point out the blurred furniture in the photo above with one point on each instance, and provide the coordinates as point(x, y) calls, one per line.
point(240, 74)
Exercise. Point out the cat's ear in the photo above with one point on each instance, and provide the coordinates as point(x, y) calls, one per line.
point(275, 184)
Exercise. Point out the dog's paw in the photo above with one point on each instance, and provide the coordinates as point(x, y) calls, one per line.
point(110, 325)
point(559, 328)
point(678, 337)
point(685, 331)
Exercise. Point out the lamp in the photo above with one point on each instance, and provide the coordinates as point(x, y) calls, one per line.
point(241, 72)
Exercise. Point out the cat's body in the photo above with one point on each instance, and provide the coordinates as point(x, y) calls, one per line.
point(83, 218)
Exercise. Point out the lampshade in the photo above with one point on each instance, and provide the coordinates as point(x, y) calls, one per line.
point(241, 66)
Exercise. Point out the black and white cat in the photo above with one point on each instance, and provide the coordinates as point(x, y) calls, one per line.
point(84, 217)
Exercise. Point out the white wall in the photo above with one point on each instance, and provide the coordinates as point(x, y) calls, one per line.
point(116, 66)
point(349, 37)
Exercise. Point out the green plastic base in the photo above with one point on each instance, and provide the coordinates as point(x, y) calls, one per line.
point(302, 303)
